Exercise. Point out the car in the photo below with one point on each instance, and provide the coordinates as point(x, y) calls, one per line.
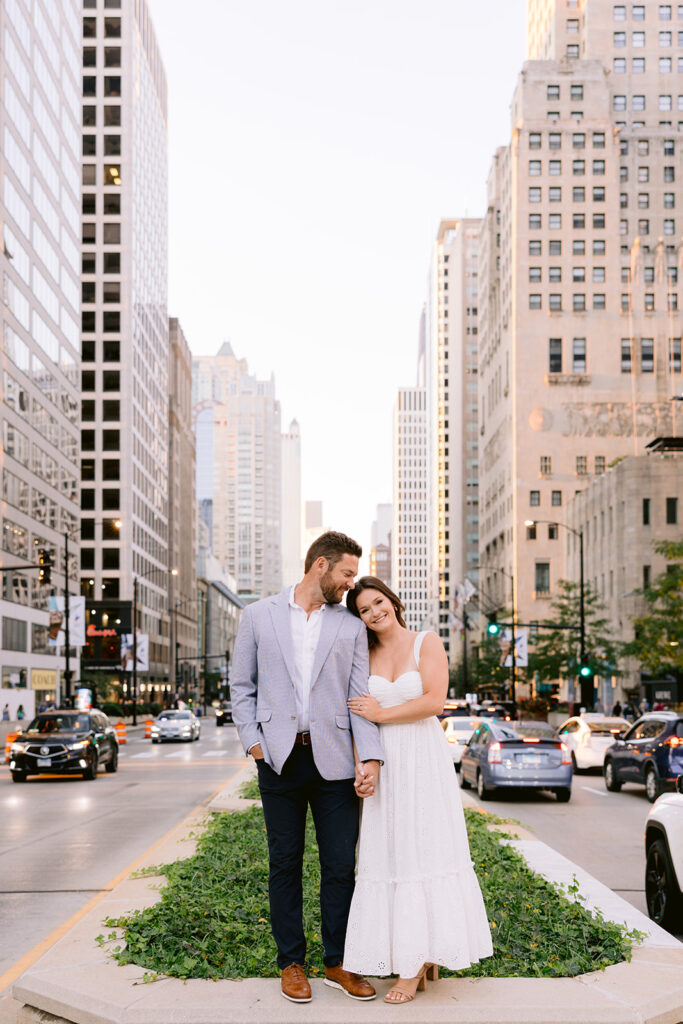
point(224, 713)
point(589, 735)
point(497, 755)
point(454, 707)
point(65, 742)
point(494, 709)
point(175, 725)
point(650, 754)
point(458, 731)
point(664, 860)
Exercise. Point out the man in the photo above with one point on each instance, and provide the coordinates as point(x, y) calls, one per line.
point(298, 658)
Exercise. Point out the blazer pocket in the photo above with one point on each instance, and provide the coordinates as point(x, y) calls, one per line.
point(263, 714)
point(342, 721)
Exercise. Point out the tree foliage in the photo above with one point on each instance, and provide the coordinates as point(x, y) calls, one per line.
point(658, 640)
point(556, 650)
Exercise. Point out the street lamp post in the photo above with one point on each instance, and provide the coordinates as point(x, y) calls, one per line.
point(140, 576)
point(585, 681)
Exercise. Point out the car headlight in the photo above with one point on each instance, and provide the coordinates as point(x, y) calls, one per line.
point(17, 748)
point(80, 745)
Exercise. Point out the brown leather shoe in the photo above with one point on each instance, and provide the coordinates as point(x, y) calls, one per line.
point(294, 984)
point(353, 984)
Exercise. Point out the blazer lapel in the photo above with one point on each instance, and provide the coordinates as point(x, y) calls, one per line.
point(279, 613)
point(329, 628)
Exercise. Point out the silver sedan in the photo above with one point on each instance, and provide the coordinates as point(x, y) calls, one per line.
point(175, 725)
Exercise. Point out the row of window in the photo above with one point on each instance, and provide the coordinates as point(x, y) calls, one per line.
point(112, 56)
point(111, 322)
point(555, 221)
point(647, 355)
point(555, 274)
point(111, 263)
point(643, 200)
point(111, 115)
point(111, 291)
point(110, 351)
point(112, 27)
point(599, 247)
point(665, 38)
point(643, 226)
point(598, 194)
point(111, 87)
point(665, 65)
point(575, 92)
point(599, 301)
point(665, 101)
point(111, 233)
point(665, 12)
point(555, 140)
point(643, 173)
point(112, 145)
point(111, 203)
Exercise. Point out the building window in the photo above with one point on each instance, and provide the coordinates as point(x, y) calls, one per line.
point(672, 303)
point(579, 247)
point(535, 248)
point(671, 511)
point(535, 274)
point(555, 221)
point(555, 194)
point(546, 465)
point(598, 193)
point(572, 30)
point(578, 303)
point(555, 302)
point(555, 275)
point(598, 275)
point(669, 200)
point(572, 51)
point(531, 532)
point(619, 102)
point(619, 39)
point(643, 200)
point(534, 195)
point(555, 167)
point(579, 140)
point(674, 355)
point(555, 247)
point(555, 355)
point(578, 221)
point(619, 12)
point(665, 38)
point(646, 511)
point(625, 355)
point(625, 302)
point(534, 222)
point(599, 301)
point(578, 274)
point(647, 355)
point(598, 221)
point(649, 302)
point(578, 167)
point(535, 301)
point(669, 227)
point(619, 65)
point(578, 194)
point(534, 498)
point(534, 140)
point(556, 498)
point(638, 39)
point(542, 579)
point(581, 465)
point(664, 65)
point(554, 140)
point(647, 575)
point(534, 168)
point(665, 101)
point(599, 247)
point(552, 531)
point(665, 12)
point(600, 464)
point(553, 92)
point(639, 67)
point(579, 355)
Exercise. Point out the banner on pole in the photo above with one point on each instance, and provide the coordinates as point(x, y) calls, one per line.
point(521, 648)
point(127, 652)
point(56, 607)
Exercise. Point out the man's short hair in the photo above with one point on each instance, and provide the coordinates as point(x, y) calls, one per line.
point(332, 546)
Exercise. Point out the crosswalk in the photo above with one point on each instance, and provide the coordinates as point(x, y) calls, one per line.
point(186, 753)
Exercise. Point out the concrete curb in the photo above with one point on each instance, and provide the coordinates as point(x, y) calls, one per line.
point(77, 983)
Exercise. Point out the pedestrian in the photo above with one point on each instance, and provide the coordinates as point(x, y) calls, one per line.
point(599, 707)
point(21, 714)
point(616, 710)
point(5, 713)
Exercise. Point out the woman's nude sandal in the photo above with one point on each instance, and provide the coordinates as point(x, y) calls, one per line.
point(399, 995)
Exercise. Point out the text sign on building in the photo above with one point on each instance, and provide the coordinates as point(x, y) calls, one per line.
point(43, 679)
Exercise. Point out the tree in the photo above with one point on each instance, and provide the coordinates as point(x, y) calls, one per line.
point(557, 649)
point(658, 639)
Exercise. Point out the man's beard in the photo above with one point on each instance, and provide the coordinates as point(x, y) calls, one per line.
point(332, 594)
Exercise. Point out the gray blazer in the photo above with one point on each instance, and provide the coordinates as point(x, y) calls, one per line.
point(262, 690)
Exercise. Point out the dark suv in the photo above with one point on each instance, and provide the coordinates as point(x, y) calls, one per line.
point(651, 753)
point(65, 743)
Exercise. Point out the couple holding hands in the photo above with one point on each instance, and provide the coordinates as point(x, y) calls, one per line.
point(337, 705)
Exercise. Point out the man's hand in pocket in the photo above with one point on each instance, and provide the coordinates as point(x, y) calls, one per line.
point(256, 752)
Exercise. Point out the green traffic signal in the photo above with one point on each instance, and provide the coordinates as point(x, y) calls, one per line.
point(585, 671)
point(493, 629)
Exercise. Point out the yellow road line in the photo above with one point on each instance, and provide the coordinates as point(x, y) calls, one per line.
point(11, 975)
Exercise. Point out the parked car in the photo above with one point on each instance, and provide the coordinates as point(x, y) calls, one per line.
point(494, 709)
point(175, 725)
point(664, 860)
point(454, 707)
point(458, 731)
point(65, 743)
point(224, 712)
point(650, 753)
point(589, 735)
point(498, 755)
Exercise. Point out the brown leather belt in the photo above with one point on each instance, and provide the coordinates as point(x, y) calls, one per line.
point(304, 738)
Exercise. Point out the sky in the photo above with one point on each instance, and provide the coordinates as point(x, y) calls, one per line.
point(314, 145)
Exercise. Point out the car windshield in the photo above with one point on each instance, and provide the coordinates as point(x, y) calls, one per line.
point(60, 723)
point(608, 726)
point(505, 733)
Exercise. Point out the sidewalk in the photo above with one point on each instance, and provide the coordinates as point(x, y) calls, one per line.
point(76, 982)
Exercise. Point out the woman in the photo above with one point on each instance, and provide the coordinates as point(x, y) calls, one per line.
point(417, 901)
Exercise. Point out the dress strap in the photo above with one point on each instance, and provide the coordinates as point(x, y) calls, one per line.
point(418, 644)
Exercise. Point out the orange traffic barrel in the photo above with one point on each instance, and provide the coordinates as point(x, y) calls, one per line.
point(11, 736)
point(120, 728)
point(148, 728)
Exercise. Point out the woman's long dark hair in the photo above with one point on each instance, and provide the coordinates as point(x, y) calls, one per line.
point(373, 583)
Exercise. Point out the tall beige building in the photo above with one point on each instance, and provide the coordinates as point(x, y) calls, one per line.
point(452, 417)
point(182, 507)
point(290, 475)
point(239, 451)
point(578, 309)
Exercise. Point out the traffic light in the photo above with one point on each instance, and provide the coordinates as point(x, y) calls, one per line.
point(493, 629)
point(585, 671)
point(45, 566)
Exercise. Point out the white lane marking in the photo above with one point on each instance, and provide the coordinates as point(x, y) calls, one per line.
point(145, 753)
point(589, 789)
point(178, 753)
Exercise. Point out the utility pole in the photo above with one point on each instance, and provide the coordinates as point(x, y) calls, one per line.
point(67, 615)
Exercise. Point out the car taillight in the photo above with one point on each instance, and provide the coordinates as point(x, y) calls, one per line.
point(452, 739)
point(566, 756)
point(531, 739)
point(674, 741)
point(495, 753)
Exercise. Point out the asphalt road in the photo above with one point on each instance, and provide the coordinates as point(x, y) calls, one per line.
point(63, 840)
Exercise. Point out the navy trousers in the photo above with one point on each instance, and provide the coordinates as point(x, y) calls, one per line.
point(334, 806)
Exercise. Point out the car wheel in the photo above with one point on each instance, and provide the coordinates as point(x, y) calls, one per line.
point(113, 762)
point(652, 788)
point(18, 776)
point(464, 781)
point(483, 792)
point(661, 891)
point(91, 771)
point(611, 781)
point(155, 739)
point(563, 795)
point(575, 767)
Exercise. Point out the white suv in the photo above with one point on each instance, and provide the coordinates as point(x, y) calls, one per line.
point(664, 865)
point(589, 735)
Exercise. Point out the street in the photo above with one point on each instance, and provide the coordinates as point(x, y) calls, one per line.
point(64, 839)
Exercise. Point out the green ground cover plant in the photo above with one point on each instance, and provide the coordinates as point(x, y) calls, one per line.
point(212, 920)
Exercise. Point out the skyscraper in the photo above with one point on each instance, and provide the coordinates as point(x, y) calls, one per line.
point(125, 342)
point(39, 210)
point(409, 536)
point(239, 451)
point(292, 562)
point(451, 396)
point(579, 304)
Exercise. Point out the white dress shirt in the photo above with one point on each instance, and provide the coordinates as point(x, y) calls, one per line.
point(305, 636)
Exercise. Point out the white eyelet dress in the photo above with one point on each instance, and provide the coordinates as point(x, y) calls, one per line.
point(417, 899)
